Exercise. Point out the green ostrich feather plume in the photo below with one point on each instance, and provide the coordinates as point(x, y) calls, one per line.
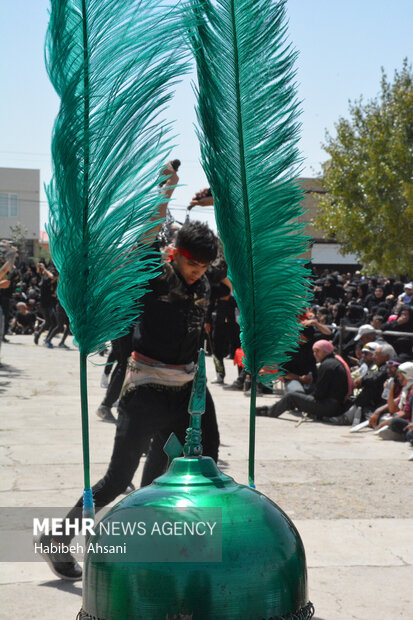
point(112, 63)
point(247, 111)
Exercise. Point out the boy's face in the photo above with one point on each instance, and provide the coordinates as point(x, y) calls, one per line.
point(190, 269)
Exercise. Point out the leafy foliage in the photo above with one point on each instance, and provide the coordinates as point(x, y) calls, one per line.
point(369, 178)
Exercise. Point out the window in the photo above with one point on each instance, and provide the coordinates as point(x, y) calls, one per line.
point(9, 205)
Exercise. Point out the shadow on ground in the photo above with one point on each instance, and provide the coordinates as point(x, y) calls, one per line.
point(7, 372)
point(63, 586)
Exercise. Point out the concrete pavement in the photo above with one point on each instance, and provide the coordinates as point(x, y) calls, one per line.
point(350, 496)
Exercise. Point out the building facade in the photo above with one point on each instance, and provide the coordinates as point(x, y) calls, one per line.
point(20, 202)
point(324, 253)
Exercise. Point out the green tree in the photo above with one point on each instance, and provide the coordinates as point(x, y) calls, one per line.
point(368, 207)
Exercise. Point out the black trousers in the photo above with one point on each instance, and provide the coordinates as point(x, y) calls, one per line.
point(49, 316)
point(305, 402)
point(61, 320)
point(398, 425)
point(121, 350)
point(145, 413)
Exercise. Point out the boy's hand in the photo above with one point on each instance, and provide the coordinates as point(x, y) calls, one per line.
point(202, 198)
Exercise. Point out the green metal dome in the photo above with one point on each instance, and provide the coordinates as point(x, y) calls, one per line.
point(262, 573)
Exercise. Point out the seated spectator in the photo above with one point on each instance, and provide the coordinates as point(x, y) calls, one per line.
point(362, 292)
point(23, 322)
point(338, 313)
point(366, 333)
point(367, 362)
point(400, 425)
point(377, 322)
point(301, 369)
point(331, 290)
point(332, 388)
point(374, 299)
point(319, 323)
point(407, 296)
point(350, 294)
point(391, 393)
point(403, 323)
point(355, 314)
point(370, 396)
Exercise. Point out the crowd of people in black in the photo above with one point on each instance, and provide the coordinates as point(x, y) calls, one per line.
point(29, 303)
point(354, 363)
point(365, 322)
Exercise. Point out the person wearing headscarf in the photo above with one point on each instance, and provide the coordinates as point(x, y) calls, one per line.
point(362, 292)
point(332, 388)
point(402, 323)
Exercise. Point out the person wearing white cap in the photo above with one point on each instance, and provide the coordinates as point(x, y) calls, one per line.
point(365, 334)
point(407, 296)
point(367, 358)
point(370, 396)
point(400, 426)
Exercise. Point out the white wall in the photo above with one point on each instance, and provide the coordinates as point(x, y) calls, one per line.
point(329, 253)
point(25, 185)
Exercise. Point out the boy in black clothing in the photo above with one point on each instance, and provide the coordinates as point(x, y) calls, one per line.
point(158, 382)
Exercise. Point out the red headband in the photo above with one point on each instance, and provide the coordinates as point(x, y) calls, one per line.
point(186, 253)
point(190, 256)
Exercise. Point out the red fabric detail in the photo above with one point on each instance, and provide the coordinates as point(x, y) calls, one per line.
point(349, 377)
point(239, 357)
point(186, 253)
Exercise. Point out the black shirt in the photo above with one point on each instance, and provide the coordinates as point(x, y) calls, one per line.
point(47, 291)
point(172, 319)
point(332, 380)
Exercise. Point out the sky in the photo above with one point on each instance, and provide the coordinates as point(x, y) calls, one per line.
point(342, 46)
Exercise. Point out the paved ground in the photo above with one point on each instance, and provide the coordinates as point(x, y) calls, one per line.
point(350, 496)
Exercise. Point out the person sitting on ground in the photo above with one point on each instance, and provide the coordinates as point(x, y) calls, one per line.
point(399, 427)
point(24, 321)
point(332, 388)
point(391, 393)
point(367, 359)
point(374, 299)
point(331, 289)
point(370, 396)
point(319, 323)
point(338, 312)
point(366, 333)
point(403, 323)
point(377, 322)
point(301, 369)
point(362, 292)
point(350, 294)
point(407, 296)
